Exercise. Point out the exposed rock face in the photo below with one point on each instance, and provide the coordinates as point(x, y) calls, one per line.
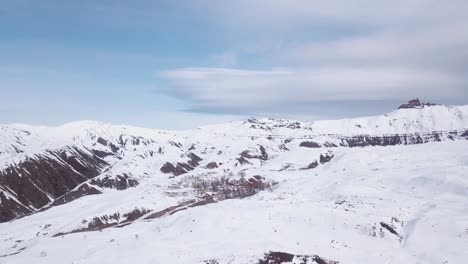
point(390, 228)
point(404, 139)
point(83, 190)
point(312, 165)
point(34, 182)
point(106, 143)
point(176, 169)
point(272, 123)
point(180, 168)
point(119, 182)
point(204, 200)
point(9, 208)
point(247, 155)
point(106, 221)
point(415, 103)
point(282, 257)
point(310, 144)
point(387, 140)
point(211, 165)
point(324, 158)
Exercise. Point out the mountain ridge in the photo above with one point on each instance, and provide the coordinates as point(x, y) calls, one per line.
point(91, 176)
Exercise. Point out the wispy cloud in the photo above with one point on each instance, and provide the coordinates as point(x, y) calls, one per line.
point(403, 49)
point(234, 88)
point(265, 57)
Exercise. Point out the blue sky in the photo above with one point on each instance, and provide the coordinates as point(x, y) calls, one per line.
point(180, 64)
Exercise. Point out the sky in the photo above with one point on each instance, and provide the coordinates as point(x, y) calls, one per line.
point(181, 64)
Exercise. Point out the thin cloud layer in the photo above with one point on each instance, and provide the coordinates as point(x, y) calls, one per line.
point(402, 49)
point(230, 88)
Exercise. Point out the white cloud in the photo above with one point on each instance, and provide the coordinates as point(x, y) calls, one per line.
point(234, 88)
point(279, 13)
point(399, 49)
point(439, 47)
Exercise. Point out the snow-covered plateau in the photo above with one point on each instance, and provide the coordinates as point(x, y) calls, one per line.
point(391, 188)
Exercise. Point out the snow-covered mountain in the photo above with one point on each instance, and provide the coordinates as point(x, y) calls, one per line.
point(382, 189)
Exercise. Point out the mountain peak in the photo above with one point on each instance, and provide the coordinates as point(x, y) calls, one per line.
point(415, 103)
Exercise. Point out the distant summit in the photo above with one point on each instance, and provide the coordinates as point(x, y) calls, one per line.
point(415, 103)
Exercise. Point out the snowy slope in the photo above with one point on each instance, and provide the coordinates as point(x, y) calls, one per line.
point(335, 212)
point(364, 190)
point(401, 121)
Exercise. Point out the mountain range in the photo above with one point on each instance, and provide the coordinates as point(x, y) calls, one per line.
point(390, 188)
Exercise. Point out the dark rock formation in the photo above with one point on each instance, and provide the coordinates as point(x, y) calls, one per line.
point(194, 160)
point(464, 134)
point(326, 158)
point(390, 228)
point(243, 160)
point(176, 170)
point(106, 221)
point(246, 155)
point(180, 168)
point(312, 165)
point(211, 165)
point(119, 182)
point(98, 223)
point(104, 142)
point(415, 103)
point(135, 214)
point(391, 140)
point(171, 210)
point(9, 208)
point(204, 200)
point(309, 144)
point(53, 174)
point(282, 257)
point(210, 261)
point(83, 190)
point(387, 140)
point(102, 154)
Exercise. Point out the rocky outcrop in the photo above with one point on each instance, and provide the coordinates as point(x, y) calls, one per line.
point(119, 182)
point(325, 158)
point(83, 190)
point(204, 200)
point(11, 208)
point(386, 140)
point(93, 186)
point(36, 181)
point(273, 257)
point(180, 168)
point(415, 103)
point(263, 155)
point(106, 143)
point(310, 144)
point(312, 165)
point(106, 221)
point(211, 165)
point(247, 155)
point(403, 139)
